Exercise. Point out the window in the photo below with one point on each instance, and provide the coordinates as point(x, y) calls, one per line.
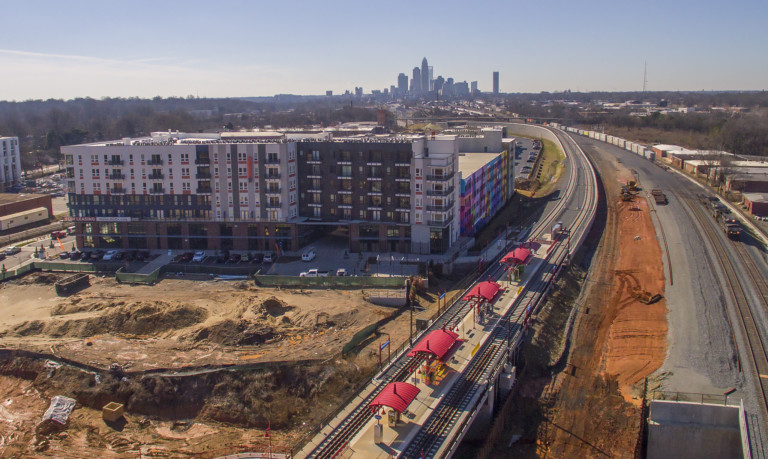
point(229, 156)
point(185, 157)
point(229, 186)
point(418, 201)
point(242, 172)
point(184, 186)
point(241, 156)
point(418, 172)
point(316, 211)
point(376, 215)
point(418, 217)
point(185, 172)
point(243, 186)
point(418, 187)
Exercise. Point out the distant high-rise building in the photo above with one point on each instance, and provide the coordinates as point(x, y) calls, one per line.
point(424, 75)
point(328, 93)
point(431, 80)
point(358, 91)
point(439, 82)
point(495, 82)
point(416, 80)
point(448, 87)
point(473, 87)
point(402, 83)
point(461, 89)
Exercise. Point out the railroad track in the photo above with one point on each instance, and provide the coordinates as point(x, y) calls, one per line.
point(757, 352)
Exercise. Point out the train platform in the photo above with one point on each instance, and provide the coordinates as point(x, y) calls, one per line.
point(472, 334)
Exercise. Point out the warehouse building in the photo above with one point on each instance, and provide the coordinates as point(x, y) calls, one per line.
point(23, 211)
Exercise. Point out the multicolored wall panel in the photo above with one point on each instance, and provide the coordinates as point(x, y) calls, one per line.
point(485, 192)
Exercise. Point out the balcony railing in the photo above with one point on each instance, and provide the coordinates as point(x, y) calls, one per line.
point(117, 191)
point(272, 177)
point(115, 162)
point(203, 191)
point(443, 192)
point(203, 175)
point(273, 205)
point(199, 161)
point(272, 160)
point(116, 176)
point(440, 222)
point(272, 190)
point(441, 177)
point(156, 190)
point(155, 162)
point(156, 176)
point(440, 208)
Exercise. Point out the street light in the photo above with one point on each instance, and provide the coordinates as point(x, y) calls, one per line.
point(409, 305)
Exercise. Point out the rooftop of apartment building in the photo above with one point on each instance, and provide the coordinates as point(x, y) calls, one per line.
point(469, 163)
point(255, 137)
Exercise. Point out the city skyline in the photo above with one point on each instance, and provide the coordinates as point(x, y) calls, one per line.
point(93, 49)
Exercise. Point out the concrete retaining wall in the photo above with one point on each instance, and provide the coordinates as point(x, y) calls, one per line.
point(693, 430)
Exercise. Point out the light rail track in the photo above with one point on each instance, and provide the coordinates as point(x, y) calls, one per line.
point(443, 420)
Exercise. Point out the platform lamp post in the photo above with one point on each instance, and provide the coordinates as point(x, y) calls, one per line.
point(409, 305)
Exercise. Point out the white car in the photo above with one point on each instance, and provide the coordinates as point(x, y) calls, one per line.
point(109, 255)
point(308, 254)
point(199, 256)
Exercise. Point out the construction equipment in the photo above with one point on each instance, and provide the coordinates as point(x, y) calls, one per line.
point(626, 195)
point(644, 296)
point(632, 185)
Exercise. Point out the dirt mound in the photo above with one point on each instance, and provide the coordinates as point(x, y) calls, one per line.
point(324, 320)
point(273, 306)
point(131, 319)
point(79, 304)
point(236, 333)
point(41, 279)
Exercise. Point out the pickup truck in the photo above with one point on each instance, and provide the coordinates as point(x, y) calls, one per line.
point(314, 272)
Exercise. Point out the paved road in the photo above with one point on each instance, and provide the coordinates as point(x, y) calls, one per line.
point(701, 356)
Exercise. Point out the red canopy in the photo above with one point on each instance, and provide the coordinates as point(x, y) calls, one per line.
point(517, 256)
point(397, 395)
point(486, 290)
point(437, 343)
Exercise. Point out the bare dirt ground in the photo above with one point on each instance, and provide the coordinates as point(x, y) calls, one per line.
point(617, 340)
point(174, 325)
point(180, 323)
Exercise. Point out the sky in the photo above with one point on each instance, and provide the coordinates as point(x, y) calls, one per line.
point(226, 48)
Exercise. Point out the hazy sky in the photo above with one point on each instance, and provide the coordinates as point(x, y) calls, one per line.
point(66, 49)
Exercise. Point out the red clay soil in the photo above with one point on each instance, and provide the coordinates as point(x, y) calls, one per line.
point(617, 339)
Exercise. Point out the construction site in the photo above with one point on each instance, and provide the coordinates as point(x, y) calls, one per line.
point(200, 367)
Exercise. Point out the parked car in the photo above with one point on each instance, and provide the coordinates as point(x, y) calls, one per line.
point(269, 257)
point(257, 258)
point(187, 257)
point(314, 272)
point(12, 250)
point(64, 255)
point(308, 254)
point(246, 258)
point(86, 256)
point(58, 234)
point(234, 258)
point(341, 272)
point(2, 256)
point(75, 255)
point(119, 256)
point(110, 255)
point(198, 257)
point(96, 255)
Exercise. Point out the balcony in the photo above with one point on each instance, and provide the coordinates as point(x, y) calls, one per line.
point(272, 177)
point(155, 162)
point(156, 176)
point(273, 205)
point(276, 190)
point(274, 160)
point(117, 190)
point(115, 162)
point(157, 191)
point(344, 162)
point(402, 164)
point(443, 192)
point(440, 222)
point(201, 161)
point(203, 176)
point(440, 178)
point(440, 208)
point(116, 176)
point(203, 190)
point(373, 178)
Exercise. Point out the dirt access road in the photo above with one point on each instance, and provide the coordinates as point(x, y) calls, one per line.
point(617, 340)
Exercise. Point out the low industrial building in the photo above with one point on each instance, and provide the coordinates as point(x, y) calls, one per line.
point(747, 183)
point(756, 203)
point(22, 211)
point(263, 191)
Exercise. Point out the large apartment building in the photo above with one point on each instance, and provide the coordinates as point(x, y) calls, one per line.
point(239, 191)
point(10, 162)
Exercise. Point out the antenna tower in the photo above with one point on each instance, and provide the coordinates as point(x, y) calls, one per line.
point(645, 77)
